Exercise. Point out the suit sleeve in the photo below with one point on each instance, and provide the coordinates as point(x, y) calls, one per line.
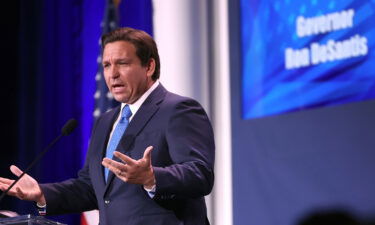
point(191, 147)
point(73, 195)
point(70, 196)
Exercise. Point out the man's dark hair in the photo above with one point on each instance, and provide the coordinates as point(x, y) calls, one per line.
point(144, 44)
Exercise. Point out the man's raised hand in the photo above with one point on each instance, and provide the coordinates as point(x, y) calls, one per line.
point(27, 188)
point(133, 171)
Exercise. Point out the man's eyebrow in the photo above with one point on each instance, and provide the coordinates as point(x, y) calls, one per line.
point(127, 59)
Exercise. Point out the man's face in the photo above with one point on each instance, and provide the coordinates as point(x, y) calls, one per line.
point(126, 78)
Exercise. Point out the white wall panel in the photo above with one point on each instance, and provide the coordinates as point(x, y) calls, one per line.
point(182, 34)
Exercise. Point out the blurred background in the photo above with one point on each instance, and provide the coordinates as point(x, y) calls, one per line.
point(289, 87)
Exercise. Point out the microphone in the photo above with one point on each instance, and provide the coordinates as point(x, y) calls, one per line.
point(69, 127)
point(65, 130)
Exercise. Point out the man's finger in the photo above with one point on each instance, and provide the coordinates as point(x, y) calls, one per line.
point(3, 187)
point(147, 153)
point(106, 163)
point(126, 159)
point(15, 170)
point(112, 164)
point(11, 192)
point(6, 181)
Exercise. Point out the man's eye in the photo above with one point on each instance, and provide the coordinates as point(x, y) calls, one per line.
point(105, 65)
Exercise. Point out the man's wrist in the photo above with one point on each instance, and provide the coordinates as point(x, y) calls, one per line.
point(42, 209)
point(150, 189)
point(150, 186)
point(151, 183)
point(41, 200)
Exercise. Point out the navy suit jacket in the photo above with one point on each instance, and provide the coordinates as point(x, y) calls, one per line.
point(183, 159)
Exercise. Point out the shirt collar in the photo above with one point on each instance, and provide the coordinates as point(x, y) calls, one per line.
point(137, 104)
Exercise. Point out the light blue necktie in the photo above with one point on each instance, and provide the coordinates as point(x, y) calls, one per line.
point(117, 134)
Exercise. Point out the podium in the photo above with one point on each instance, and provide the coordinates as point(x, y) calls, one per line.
point(28, 220)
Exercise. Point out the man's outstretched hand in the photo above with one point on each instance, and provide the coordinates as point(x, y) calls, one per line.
point(133, 171)
point(27, 188)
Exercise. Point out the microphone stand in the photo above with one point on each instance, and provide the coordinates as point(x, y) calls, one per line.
point(66, 130)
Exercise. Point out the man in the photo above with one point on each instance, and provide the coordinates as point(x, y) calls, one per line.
point(163, 164)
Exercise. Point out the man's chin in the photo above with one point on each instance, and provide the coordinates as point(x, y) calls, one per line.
point(121, 98)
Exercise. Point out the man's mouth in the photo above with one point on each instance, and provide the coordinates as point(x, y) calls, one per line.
point(117, 87)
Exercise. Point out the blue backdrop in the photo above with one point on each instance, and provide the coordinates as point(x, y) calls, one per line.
point(307, 54)
point(54, 46)
point(289, 165)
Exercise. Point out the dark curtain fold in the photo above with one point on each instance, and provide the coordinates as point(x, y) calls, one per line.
point(50, 82)
point(9, 23)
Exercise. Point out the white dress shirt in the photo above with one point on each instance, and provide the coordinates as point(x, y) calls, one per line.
point(134, 108)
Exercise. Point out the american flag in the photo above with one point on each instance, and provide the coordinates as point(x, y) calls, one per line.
point(103, 98)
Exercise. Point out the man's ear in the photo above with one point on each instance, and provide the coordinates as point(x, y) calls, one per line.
point(151, 67)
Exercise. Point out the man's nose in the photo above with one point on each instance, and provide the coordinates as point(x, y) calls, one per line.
point(114, 72)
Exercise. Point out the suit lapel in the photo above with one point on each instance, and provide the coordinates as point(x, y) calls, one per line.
point(149, 107)
point(104, 129)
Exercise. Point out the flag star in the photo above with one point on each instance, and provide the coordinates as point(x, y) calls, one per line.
point(98, 76)
point(99, 59)
point(96, 113)
point(109, 95)
point(97, 94)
